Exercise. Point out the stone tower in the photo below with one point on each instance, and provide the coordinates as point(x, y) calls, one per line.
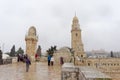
point(31, 41)
point(76, 40)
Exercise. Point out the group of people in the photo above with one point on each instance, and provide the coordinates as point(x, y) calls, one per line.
point(50, 60)
point(26, 59)
point(28, 63)
point(22, 57)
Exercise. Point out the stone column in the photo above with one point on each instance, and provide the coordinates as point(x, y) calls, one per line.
point(31, 42)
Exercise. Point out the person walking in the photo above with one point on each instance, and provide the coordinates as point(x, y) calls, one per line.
point(36, 57)
point(52, 61)
point(18, 57)
point(28, 63)
point(61, 61)
point(49, 58)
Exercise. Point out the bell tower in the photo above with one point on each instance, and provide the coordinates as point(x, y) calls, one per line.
point(76, 40)
point(31, 41)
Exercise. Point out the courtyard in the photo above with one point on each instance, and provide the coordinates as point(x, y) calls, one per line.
point(37, 71)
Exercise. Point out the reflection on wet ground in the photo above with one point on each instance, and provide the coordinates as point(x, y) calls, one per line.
point(37, 71)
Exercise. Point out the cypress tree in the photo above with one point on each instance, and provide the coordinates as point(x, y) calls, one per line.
point(39, 51)
point(13, 53)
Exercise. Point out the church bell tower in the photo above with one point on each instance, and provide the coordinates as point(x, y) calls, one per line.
point(76, 40)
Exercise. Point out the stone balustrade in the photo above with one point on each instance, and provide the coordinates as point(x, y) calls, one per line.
point(71, 72)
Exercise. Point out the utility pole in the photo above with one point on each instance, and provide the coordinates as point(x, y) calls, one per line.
point(3, 47)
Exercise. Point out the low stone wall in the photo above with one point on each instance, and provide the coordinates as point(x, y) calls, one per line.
point(7, 61)
point(71, 72)
point(14, 59)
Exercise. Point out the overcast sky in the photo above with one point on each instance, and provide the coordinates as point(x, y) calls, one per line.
point(99, 21)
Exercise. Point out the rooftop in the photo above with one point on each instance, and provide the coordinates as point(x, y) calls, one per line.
point(90, 72)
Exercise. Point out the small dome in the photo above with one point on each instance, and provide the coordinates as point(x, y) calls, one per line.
point(63, 52)
point(64, 49)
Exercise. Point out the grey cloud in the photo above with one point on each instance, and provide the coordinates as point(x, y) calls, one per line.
point(99, 22)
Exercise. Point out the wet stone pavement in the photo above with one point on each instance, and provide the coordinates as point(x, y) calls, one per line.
point(37, 71)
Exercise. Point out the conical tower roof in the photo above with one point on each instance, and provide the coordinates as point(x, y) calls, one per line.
point(75, 19)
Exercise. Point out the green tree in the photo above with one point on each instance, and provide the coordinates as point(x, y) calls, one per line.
point(20, 51)
point(39, 51)
point(52, 50)
point(13, 53)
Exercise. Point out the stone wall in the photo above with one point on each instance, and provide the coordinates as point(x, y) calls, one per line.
point(71, 72)
point(109, 66)
point(7, 61)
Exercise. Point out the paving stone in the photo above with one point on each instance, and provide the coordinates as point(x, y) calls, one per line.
point(37, 71)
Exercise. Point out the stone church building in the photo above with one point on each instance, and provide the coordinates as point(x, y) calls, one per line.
point(108, 65)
